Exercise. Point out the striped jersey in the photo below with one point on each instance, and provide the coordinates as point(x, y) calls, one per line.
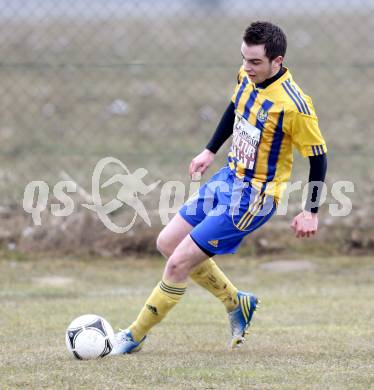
point(269, 123)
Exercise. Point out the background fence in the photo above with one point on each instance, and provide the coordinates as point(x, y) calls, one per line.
point(147, 81)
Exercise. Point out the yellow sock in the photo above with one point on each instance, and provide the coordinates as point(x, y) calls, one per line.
point(163, 298)
point(209, 276)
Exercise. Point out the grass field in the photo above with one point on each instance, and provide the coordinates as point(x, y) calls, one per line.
point(315, 329)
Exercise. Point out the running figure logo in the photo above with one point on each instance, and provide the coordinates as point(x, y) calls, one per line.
point(132, 184)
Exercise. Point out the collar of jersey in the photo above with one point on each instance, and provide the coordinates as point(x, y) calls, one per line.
point(286, 75)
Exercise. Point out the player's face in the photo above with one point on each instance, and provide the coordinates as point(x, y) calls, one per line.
point(257, 66)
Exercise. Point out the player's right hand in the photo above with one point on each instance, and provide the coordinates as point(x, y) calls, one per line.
point(201, 162)
point(305, 224)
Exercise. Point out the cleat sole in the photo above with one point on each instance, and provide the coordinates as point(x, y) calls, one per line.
point(237, 342)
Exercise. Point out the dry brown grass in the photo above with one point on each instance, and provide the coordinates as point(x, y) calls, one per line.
point(314, 329)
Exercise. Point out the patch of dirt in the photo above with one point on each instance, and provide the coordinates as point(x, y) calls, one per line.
point(55, 281)
point(288, 265)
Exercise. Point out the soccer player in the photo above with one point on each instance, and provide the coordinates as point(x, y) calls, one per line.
point(268, 115)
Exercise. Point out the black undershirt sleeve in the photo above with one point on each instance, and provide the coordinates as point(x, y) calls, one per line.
point(317, 174)
point(224, 129)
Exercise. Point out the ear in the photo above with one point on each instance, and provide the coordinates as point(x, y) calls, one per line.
point(278, 61)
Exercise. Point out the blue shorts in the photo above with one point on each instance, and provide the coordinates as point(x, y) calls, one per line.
point(224, 211)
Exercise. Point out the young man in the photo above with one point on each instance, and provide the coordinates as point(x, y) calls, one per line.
point(267, 116)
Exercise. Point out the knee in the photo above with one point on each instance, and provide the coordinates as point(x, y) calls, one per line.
point(163, 245)
point(177, 267)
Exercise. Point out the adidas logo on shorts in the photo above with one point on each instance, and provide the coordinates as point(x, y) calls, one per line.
point(213, 243)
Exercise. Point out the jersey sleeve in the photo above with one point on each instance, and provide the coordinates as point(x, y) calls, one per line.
point(237, 87)
point(306, 135)
point(305, 132)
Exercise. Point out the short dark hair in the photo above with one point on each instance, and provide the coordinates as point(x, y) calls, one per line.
point(272, 36)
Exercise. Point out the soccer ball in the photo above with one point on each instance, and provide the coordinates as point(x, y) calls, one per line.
point(89, 337)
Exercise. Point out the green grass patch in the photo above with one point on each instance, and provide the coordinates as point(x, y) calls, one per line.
point(314, 329)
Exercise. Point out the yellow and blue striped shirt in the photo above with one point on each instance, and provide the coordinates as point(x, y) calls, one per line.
point(269, 122)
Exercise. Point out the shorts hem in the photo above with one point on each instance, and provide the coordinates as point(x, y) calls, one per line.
point(206, 251)
point(187, 219)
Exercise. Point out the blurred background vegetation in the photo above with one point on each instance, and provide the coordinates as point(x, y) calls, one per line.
point(146, 82)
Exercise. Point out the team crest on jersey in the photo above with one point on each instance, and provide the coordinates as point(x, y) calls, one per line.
point(262, 115)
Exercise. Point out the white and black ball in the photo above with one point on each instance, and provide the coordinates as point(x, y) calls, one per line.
point(89, 337)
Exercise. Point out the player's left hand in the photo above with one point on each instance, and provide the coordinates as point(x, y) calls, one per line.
point(305, 224)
